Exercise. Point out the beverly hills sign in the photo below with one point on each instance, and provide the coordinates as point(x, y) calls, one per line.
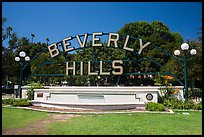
point(117, 68)
point(100, 97)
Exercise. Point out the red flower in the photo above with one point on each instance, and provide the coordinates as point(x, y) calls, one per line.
point(132, 76)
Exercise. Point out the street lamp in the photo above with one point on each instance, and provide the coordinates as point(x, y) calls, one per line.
point(185, 47)
point(22, 55)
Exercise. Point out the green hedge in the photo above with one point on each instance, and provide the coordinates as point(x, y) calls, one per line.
point(152, 106)
point(16, 102)
point(179, 104)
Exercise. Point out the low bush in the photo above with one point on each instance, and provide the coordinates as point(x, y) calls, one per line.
point(16, 102)
point(7, 101)
point(173, 103)
point(30, 92)
point(152, 106)
point(198, 106)
point(179, 104)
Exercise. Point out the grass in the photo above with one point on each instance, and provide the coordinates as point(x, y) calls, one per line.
point(18, 118)
point(131, 124)
point(111, 124)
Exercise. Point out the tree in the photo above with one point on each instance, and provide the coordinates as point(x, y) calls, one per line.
point(200, 34)
point(8, 32)
point(24, 41)
point(195, 63)
point(195, 66)
point(10, 68)
point(14, 41)
point(32, 35)
point(159, 35)
point(47, 40)
point(96, 54)
point(12, 37)
point(3, 34)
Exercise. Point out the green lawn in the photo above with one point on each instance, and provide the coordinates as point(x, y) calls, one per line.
point(18, 118)
point(134, 124)
point(111, 124)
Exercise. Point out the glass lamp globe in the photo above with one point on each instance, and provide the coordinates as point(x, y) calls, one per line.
point(193, 52)
point(177, 52)
point(27, 58)
point(22, 54)
point(17, 59)
point(184, 46)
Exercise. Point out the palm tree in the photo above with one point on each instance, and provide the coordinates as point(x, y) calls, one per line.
point(32, 35)
point(47, 39)
point(8, 32)
point(24, 41)
point(4, 20)
point(13, 41)
point(3, 35)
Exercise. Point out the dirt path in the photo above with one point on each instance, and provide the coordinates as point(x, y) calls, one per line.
point(38, 127)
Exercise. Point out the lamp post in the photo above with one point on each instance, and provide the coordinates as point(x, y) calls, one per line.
point(21, 61)
point(185, 47)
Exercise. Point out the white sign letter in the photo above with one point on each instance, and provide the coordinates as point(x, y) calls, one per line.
point(114, 40)
point(117, 67)
point(125, 45)
point(141, 47)
point(89, 69)
point(84, 42)
point(70, 68)
point(51, 50)
point(81, 67)
point(96, 39)
point(67, 44)
point(101, 69)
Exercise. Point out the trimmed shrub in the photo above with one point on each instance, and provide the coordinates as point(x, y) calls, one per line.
point(152, 106)
point(16, 102)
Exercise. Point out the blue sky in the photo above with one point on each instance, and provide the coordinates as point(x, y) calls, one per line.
point(58, 20)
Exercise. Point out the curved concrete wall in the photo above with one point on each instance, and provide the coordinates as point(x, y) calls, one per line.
point(97, 97)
